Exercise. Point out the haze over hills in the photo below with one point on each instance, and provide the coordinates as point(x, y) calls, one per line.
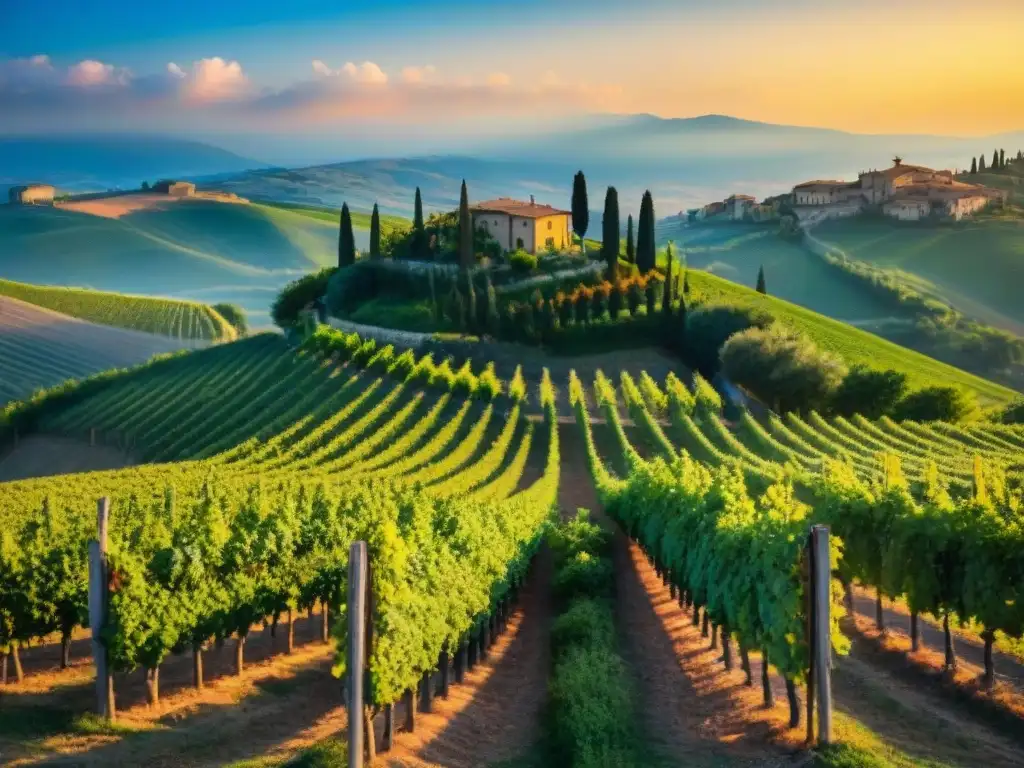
point(77, 163)
point(685, 162)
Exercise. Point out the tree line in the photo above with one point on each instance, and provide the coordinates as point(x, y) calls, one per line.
point(998, 162)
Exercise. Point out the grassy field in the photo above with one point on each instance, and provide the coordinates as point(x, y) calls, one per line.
point(737, 251)
point(360, 219)
point(854, 345)
point(978, 267)
point(200, 250)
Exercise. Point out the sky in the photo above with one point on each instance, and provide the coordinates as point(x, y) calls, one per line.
point(414, 67)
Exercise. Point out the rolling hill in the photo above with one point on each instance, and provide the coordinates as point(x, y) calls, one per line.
point(99, 163)
point(978, 267)
point(189, 249)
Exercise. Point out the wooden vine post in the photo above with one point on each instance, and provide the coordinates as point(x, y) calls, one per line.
point(99, 599)
point(819, 679)
point(360, 727)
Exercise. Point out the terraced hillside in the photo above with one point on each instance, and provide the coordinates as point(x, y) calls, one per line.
point(40, 348)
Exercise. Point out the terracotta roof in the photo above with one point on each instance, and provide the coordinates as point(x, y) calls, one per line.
point(517, 208)
point(899, 170)
point(821, 183)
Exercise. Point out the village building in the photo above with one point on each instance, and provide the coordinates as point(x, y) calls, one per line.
point(31, 194)
point(175, 188)
point(516, 224)
point(904, 192)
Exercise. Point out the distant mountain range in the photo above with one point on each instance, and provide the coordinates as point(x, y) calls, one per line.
point(685, 162)
point(97, 163)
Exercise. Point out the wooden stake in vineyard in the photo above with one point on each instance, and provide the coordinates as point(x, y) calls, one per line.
point(355, 663)
point(819, 633)
point(99, 598)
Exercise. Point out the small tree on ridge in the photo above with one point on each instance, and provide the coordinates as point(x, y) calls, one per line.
point(580, 209)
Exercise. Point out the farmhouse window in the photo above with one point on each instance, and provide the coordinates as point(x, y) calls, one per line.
point(550, 224)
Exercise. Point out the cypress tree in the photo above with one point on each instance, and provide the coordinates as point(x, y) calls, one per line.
point(346, 240)
point(666, 296)
point(995, 160)
point(645, 249)
point(686, 282)
point(375, 233)
point(761, 288)
point(580, 208)
point(1002, 158)
point(419, 236)
point(466, 256)
point(630, 249)
point(610, 233)
point(974, 165)
point(981, 163)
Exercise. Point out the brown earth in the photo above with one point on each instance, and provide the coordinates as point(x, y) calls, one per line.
point(121, 205)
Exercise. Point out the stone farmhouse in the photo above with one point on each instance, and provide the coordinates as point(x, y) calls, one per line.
point(905, 192)
point(516, 224)
point(175, 188)
point(31, 194)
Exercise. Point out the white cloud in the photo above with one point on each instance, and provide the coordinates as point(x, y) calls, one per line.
point(367, 72)
point(91, 72)
point(418, 74)
point(498, 79)
point(41, 60)
point(175, 71)
point(215, 79)
point(321, 69)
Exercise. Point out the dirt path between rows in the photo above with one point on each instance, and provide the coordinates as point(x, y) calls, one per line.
point(695, 713)
point(1009, 668)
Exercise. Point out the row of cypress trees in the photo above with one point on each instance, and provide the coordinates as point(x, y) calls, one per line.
point(998, 163)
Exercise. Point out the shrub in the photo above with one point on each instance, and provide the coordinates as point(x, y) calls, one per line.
point(299, 294)
point(235, 315)
point(364, 352)
point(565, 309)
point(579, 535)
point(679, 397)
point(635, 294)
point(599, 300)
point(709, 327)
point(869, 392)
point(936, 404)
point(782, 367)
point(587, 623)
point(584, 575)
point(423, 370)
point(522, 262)
point(592, 710)
point(1013, 413)
point(582, 305)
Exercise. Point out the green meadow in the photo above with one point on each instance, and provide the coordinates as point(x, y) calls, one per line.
point(978, 266)
point(737, 251)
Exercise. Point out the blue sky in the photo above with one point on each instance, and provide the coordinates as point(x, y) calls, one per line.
point(305, 65)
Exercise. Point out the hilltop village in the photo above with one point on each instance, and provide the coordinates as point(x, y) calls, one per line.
point(904, 192)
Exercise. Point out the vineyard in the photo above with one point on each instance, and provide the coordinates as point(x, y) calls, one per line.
point(164, 317)
point(264, 463)
point(41, 349)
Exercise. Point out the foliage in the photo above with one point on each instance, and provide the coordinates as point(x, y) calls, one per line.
point(375, 233)
point(782, 367)
point(709, 327)
point(522, 262)
point(610, 234)
point(346, 240)
point(938, 403)
point(630, 248)
point(298, 295)
point(646, 246)
point(167, 317)
point(467, 253)
point(580, 207)
point(870, 392)
point(235, 315)
point(761, 287)
point(1013, 413)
